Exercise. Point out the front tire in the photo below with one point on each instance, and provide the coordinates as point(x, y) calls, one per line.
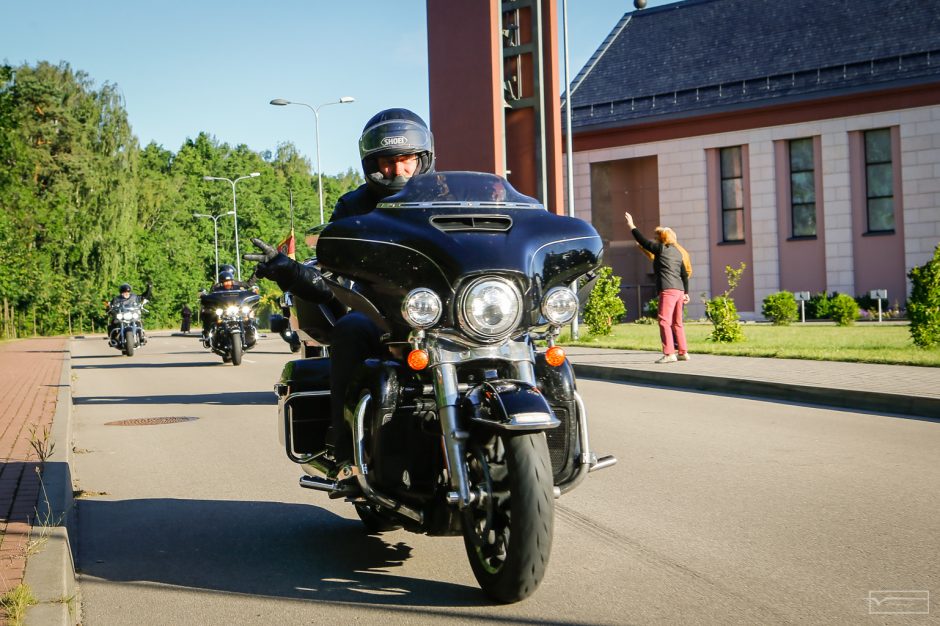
point(236, 349)
point(508, 536)
point(129, 341)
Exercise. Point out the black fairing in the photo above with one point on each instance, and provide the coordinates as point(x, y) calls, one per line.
point(445, 228)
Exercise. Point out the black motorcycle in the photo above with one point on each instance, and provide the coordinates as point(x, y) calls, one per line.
point(474, 426)
point(230, 317)
point(125, 330)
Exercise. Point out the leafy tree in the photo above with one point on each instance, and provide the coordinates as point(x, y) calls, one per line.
point(923, 307)
point(604, 306)
point(722, 311)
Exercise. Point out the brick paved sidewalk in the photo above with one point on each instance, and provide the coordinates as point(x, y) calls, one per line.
point(30, 371)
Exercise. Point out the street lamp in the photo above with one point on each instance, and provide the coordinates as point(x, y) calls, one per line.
point(238, 258)
point(280, 102)
point(215, 228)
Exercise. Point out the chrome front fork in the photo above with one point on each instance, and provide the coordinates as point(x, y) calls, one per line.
point(455, 440)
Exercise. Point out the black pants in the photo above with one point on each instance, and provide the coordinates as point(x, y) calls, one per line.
point(355, 339)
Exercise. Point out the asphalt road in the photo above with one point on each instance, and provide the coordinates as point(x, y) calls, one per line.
point(721, 510)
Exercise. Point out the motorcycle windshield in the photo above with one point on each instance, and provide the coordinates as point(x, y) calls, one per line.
point(221, 299)
point(444, 228)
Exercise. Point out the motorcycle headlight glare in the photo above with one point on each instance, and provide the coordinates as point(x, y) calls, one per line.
point(246, 310)
point(232, 311)
point(490, 308)
point(560, 305)
point(421, 308)
point(218, 312)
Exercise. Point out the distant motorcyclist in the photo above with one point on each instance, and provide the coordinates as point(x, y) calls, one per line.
point(395, 145)
point(127, 296)
point(226, 282)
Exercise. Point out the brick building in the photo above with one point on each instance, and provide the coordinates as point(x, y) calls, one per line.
point(801, 137)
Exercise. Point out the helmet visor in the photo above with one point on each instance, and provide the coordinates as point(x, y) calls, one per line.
point(394, 137)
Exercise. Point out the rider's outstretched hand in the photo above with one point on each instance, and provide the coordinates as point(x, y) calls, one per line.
point(272, 264)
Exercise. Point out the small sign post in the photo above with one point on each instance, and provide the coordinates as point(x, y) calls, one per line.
point(802, 297)
point(879, 294)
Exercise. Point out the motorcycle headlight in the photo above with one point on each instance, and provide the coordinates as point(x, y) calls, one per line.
point(490, 308)
point(218, 312)
point(136, 315)
point(421, 308)
point(120, 316)
point(232, 311)
point(246, 310)
point(560, 305)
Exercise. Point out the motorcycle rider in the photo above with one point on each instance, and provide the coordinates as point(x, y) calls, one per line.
point(226, 282)
point(395, 145)
point(127, 296)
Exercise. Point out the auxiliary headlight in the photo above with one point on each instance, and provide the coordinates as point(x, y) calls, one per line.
point(245, 310)
point(136, 315)
point(560, 305)
point(421, 308)
point(218, 312)
point(119, 316)
point(490, 308)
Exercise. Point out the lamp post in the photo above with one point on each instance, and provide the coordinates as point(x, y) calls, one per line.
point(280, 102)
point(215, 229)
point(238, 258)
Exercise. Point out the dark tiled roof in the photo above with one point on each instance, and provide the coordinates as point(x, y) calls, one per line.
point(700, 56)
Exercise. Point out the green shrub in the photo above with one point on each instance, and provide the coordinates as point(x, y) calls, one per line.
point(923, 307)
point(604, 306)
point(780, 308)
point(651, 308)
point(843, 309)
point(817, 307)
point(722, 312)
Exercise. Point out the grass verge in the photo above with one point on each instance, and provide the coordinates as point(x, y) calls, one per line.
point(818, 341)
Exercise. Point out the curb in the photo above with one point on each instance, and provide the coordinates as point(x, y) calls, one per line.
point(856, 400)
point(50, 573)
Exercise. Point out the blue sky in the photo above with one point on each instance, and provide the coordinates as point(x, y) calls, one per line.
point(213, 65)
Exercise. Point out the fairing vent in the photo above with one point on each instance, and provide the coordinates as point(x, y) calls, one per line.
point(479, 223)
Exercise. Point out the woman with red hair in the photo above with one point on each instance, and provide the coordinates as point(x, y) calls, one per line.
point(672, 267)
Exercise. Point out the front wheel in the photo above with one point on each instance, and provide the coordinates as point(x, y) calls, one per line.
point(236, 349)
point(129, 341)
point(508, 535)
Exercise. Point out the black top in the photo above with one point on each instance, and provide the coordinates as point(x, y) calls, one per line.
point(667, 264)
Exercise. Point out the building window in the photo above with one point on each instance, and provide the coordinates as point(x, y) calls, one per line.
point(802, 188)
point(732, 194)
point(879, 180)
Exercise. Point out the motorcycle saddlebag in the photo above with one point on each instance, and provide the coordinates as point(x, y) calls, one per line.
point(304, 407)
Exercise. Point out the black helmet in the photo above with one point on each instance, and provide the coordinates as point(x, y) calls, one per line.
point(125, 287)
point(227, 268)
point(225, 275)
point(394, 132)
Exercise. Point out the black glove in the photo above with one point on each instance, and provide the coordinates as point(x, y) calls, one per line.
point(289, 275)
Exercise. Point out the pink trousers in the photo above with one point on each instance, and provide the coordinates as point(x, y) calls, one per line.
point(670, 321)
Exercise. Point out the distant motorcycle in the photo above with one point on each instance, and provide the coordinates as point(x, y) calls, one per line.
point(126, 330)
point(234, 328)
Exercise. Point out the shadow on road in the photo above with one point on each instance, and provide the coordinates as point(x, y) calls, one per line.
point(145, 365)
point(263, 548)
point(227, 398)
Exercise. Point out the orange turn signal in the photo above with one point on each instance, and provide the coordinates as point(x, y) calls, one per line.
point(418, 359)
point(555, 356)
